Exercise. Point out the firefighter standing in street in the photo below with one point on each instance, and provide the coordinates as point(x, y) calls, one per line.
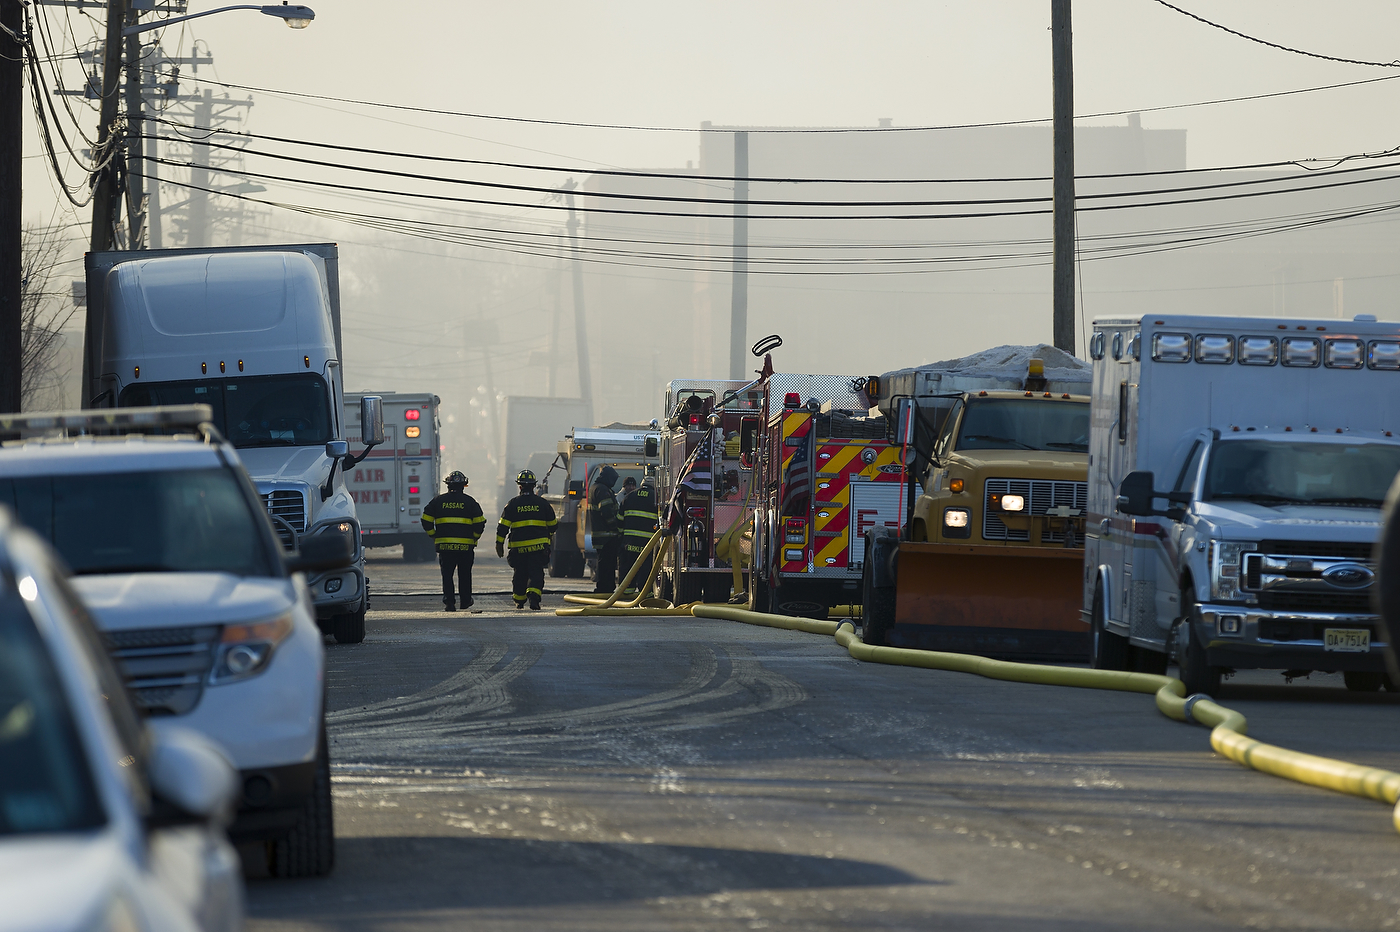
point(638, 525)
point(454, 521)
point(607, 534)
point(529, 522)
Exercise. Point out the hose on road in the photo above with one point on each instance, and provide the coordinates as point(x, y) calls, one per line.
point(1228, 727)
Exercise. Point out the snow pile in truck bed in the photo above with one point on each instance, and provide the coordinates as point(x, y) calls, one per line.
point(1010, 363)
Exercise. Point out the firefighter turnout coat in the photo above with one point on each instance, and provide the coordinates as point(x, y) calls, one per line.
point(527, 524)
point(639, 518)
point(454, 521)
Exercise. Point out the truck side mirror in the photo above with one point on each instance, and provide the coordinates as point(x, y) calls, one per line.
point(335, 449)
point(1135, 494)
point(321, 552)
point(651, 448)
point(371, 420)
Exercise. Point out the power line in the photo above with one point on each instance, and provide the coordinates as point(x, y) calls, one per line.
point(1275, 45)
point(806, 130)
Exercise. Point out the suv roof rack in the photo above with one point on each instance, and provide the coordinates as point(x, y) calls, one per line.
point(111, 422)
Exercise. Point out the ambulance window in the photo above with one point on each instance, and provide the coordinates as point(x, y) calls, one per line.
point(1188, 469)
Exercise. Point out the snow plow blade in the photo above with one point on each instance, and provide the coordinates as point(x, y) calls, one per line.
point(1013, 603)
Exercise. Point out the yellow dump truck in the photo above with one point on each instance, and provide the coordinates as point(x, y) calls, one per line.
point(990, 555)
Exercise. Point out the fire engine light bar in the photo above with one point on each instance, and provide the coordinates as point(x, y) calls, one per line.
point(792, 400)
point(412, 414)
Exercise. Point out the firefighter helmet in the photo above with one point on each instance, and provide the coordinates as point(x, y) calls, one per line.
point(456, 477)
point(525, 479)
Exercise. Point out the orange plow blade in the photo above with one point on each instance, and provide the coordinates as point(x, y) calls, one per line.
point(1016, 603)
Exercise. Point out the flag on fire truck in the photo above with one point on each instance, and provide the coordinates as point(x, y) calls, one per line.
point(797, 481)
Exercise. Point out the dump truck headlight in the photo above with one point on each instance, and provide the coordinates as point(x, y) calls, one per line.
point(955, 517)
point(1008, 502)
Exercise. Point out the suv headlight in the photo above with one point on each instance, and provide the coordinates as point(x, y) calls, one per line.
point(246, 650)
point(1226, 570)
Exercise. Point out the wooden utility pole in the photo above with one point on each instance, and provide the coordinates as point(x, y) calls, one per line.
point(739, 294)
point(105, 194)
point(135, 183)
point(12, 57)
point(1062, 59)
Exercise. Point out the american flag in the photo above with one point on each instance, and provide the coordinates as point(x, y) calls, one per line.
point(696, 477)
point(797, 481)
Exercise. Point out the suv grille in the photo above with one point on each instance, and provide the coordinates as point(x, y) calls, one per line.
point(289, 506)
point(1041, 495)
point(165, 668)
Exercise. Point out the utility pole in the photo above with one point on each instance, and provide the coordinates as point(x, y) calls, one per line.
point(135, 184)
point(198, 232)
point(585, 377)
point(153, 238)
point(104, 195)
point(1062, 60)
point(739, 296)
point(12, 56)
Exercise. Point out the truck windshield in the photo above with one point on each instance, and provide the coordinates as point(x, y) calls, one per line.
point(185, 521)
point(45, 783)
point(1025, 424)
point(1269, 472)
point(266, 411)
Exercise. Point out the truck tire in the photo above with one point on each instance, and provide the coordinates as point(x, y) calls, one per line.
point(1363, 682)
point(308, 849)
point(1107, 651)
point(1199, 676)
point(877, 610)
point(349, 628)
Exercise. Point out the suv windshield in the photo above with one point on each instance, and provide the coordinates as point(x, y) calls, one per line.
point(45, 782)
point(1268, 471)
point(183, 520)
point(268, 411)
point(1025, 424)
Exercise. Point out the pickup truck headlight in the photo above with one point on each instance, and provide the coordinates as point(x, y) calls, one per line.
point(246, 650)
point(1226, 566)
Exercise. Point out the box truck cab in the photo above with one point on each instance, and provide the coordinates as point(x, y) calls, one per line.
point(1237, 471)
point(253, 333)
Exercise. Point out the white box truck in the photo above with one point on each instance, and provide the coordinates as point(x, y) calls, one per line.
point(401, 475)
point(253, 332)
point(1237, 470)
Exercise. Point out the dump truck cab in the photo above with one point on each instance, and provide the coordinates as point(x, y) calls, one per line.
point(988, 557)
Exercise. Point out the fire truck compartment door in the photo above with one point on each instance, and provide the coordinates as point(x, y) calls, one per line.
point(874, 504)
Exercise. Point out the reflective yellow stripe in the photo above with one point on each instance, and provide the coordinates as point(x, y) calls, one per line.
point(461, 520)
point(532, 522)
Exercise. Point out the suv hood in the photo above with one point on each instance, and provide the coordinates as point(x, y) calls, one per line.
point(58, 882)
point(126, 601)
point(1295, 522)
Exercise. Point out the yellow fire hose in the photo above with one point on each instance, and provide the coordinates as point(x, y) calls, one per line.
point(1227, 726)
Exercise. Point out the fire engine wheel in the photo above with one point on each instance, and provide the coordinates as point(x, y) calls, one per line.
point(1107, 651)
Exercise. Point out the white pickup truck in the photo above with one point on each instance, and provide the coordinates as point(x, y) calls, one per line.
point(1237, 470)
point(207, 616)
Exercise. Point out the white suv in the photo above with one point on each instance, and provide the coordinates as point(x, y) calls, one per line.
point(211, 624)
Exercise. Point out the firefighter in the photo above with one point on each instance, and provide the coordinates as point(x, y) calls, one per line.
point(454, 521)
point(530, 523)
point(638, 525)
point(607, 535)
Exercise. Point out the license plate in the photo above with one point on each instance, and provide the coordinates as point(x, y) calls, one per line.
point(1352, 640)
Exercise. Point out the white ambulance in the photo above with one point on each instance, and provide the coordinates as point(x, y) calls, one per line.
point(399, 477)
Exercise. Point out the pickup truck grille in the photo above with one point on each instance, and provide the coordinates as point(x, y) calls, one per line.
point(288, 510)
point(165, 668)
point(1041, 496)
point(1294, 630)
point(1292, 576)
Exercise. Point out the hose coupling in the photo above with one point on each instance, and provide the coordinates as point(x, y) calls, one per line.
point(1190, 703)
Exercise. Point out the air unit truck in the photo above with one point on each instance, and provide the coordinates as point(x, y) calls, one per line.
point(988, 557)
point(397, 478)
point(631, 449)
point(1238, 469)
point(253, 332)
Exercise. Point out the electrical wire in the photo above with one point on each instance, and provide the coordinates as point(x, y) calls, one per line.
point(1275, 45)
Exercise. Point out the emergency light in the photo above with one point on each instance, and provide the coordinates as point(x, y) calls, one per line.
point(412, 414)
point(792, 400)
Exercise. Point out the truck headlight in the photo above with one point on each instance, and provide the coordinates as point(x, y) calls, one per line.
point(1226, 560)
point(955, 517)
point(245, 650)
point(1008, 502)
point(347, 529)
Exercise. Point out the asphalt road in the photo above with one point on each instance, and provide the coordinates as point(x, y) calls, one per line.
point(522, 771)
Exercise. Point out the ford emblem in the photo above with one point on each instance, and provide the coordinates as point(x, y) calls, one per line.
point(1349, 575)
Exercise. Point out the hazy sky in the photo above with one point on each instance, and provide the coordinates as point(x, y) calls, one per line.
point(794, 63)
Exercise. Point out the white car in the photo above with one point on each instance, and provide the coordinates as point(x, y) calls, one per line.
point(208, 618)
point(103, 824)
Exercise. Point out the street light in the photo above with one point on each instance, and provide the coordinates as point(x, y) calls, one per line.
point(298, 17)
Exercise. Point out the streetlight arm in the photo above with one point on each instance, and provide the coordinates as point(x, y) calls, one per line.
point(294, 15)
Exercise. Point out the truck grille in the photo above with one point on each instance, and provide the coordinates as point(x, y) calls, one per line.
point(1288, 575)
point(289, 506)
point(1041, 495)
point(165, 668)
